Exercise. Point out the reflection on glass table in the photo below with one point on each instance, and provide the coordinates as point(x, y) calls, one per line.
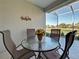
point(47, 44)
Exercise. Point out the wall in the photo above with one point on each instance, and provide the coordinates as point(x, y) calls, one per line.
point(11, 12)
point(1, 26)
point(1, 15)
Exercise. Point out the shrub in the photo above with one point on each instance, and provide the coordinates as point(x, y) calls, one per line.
point(47, 34)
point(77, 37)
point(62, 34)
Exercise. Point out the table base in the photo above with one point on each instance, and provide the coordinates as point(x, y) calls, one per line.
point(40, 57)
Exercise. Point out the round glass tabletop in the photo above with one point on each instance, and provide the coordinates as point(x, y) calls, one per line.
point(46, 44)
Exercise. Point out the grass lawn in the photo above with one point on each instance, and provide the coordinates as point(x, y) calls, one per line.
point(64, 30)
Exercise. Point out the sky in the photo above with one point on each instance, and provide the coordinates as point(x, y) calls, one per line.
point(65, 15)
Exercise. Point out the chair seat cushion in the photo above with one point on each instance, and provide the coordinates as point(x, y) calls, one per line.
point(27, 56)
point(20, 53)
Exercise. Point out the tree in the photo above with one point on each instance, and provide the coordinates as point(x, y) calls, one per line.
point(62, 25)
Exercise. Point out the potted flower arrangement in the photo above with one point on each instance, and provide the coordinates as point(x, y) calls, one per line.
point(40, 33)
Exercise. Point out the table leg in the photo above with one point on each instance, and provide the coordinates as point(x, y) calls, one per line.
point(39, 56)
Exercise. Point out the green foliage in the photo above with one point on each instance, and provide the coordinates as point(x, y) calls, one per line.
point(77, 37)
point(47, 34)
point(62, 25)
point(62, 34)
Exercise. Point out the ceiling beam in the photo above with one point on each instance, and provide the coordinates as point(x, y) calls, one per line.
point(57, 4)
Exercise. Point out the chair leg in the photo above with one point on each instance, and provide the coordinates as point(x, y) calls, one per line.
point(61, 49)
point(11, 58)
point(45, 56)
point(60, 46)
point(67, 55)
point(35, 56)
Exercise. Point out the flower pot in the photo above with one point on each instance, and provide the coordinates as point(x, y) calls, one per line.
point(39, 36)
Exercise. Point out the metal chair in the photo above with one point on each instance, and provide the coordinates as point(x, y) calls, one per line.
point(55, 33)
point(12, 49)
point(30, 33)
point(68, 43)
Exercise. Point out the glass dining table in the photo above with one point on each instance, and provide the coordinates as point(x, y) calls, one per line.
point(47, 44)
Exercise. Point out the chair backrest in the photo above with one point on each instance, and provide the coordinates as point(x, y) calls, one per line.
point(30, 33)
point(55, 33)
point(8, 43)
point(68, 43)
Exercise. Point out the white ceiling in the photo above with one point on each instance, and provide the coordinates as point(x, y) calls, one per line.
point(49, 5)
point(41, 3)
